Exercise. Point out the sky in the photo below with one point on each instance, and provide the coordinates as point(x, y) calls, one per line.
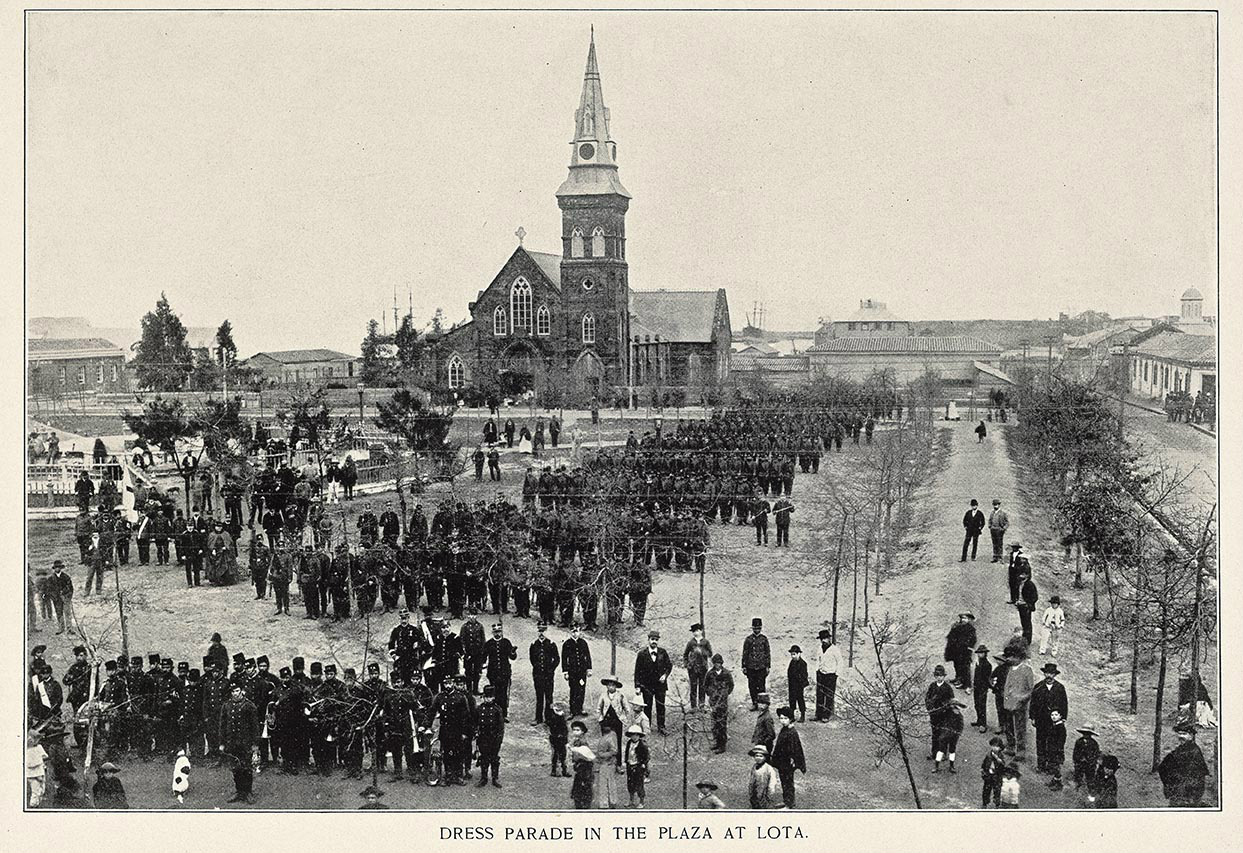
point(289, 171)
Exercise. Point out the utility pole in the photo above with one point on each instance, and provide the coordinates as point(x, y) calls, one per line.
point(1123, 387)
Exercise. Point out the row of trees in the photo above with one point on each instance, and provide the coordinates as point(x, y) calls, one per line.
point(165, 361)
point(1133, 525)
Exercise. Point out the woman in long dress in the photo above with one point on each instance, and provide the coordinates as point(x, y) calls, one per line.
point(606, 772)
point(524, 441)
point(221, 561)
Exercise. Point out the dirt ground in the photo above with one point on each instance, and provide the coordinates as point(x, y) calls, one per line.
point(786, 587)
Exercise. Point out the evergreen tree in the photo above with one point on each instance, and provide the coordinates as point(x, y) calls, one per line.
point(226, 350)
point(375, 364)
point(164, 359)
point(409, 345)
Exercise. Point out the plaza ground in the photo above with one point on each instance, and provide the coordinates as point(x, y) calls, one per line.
point(786, 587)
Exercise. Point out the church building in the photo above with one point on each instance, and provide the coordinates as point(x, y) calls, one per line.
point(568, 320)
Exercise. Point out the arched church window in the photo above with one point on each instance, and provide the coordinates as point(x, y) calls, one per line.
point(576, 243)
point(457, 372)
point(543, 321)
point(597, 242)
point(520, 306)
point(589, 328)
point(500, 323)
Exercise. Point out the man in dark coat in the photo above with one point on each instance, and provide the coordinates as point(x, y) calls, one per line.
point(959, 642)
point(292, 731)
point(544, 662)
point(1048, 696)
point(576, 667)
point(937, 700)
point(215, 692)
point(473, 641)
point(498, 652)
point(238, 728)
point(1183, 769)
point(651, 675)
point(1028, 597)
point(403, 646)
point(489, 726)
point(973, 522)
point(756, 660)
point(787, 754)
point(456, 711)
point(981, 682)
point(718, 684)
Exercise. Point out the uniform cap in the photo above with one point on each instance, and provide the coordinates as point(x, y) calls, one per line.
point(330, 667)
point(79, 650)
point(286, 672)
point(757, 622)
point(317, 668)
point(239, 657)
point(262, 659)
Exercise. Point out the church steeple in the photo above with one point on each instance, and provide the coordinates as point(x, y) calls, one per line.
point(593, 156)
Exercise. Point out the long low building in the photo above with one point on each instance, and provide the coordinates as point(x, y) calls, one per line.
point(305, 367)
point(1174, 362)
point(960, 361)
point(66, 366)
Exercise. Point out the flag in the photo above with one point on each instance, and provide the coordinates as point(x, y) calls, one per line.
point(128, 498)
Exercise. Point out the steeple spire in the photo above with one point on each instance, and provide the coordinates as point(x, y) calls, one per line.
point(593, 160)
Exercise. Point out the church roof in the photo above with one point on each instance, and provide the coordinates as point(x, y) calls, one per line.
point(549, 264)
point(919, 344)
point(677, 316)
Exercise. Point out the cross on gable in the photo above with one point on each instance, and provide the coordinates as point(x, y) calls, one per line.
point(520, 233)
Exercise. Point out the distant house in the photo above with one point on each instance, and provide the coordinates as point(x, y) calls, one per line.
point(305, 367)
point(70, 365)
point(1088, 356)
point(872, 320)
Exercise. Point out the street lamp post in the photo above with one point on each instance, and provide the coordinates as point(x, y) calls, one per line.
point(361, 415)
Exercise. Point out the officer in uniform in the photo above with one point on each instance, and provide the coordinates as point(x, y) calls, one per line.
point(498, 652)
point(489, 727)
point(238, 725)
point(456, 711)
point(339, 582)
point(216, 690)
point(291, 723)
point(576, 665)
point(473, 641)
point(403, 646)
point(544, 662)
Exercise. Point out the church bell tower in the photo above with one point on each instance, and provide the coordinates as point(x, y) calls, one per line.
point(594, 281)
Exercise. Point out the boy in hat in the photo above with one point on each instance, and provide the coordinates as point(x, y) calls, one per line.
point(796, 680)
point(1010, 787)
point(707, 795)
point(787, 754)
point(763, 784)
point(981, 682)
point(990, 771)
point(108, 792)
point(937, 699)
point(638, 713)
point(756, 660)
point(950, 729)
point(635, 761)
point(558, 738)
point(611, 711)
point(1053, 620)
point(1103, 788)
point(1055, 749)
point(765, 724)
point(1085, 755)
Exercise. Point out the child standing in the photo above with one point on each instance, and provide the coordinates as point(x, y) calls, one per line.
point(1056, 748)
point(796, 678)
point(36, 770)
point(558, 738)
point(949, 729)
point(1084, 756)
point(707, 796)
point(1010, 787)
point(991, 771)
point(1054, 620)
point(581, 791)
point(1103, 787)
point(636, 758)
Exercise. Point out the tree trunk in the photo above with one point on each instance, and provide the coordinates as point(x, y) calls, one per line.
point(685, 759)
point(1096, 601)
point(1078, 565)
point(1156, 727)
point(854, 596)
point(1134, 707)
point(837, 572)
point(116, 575)
point(701, 598)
